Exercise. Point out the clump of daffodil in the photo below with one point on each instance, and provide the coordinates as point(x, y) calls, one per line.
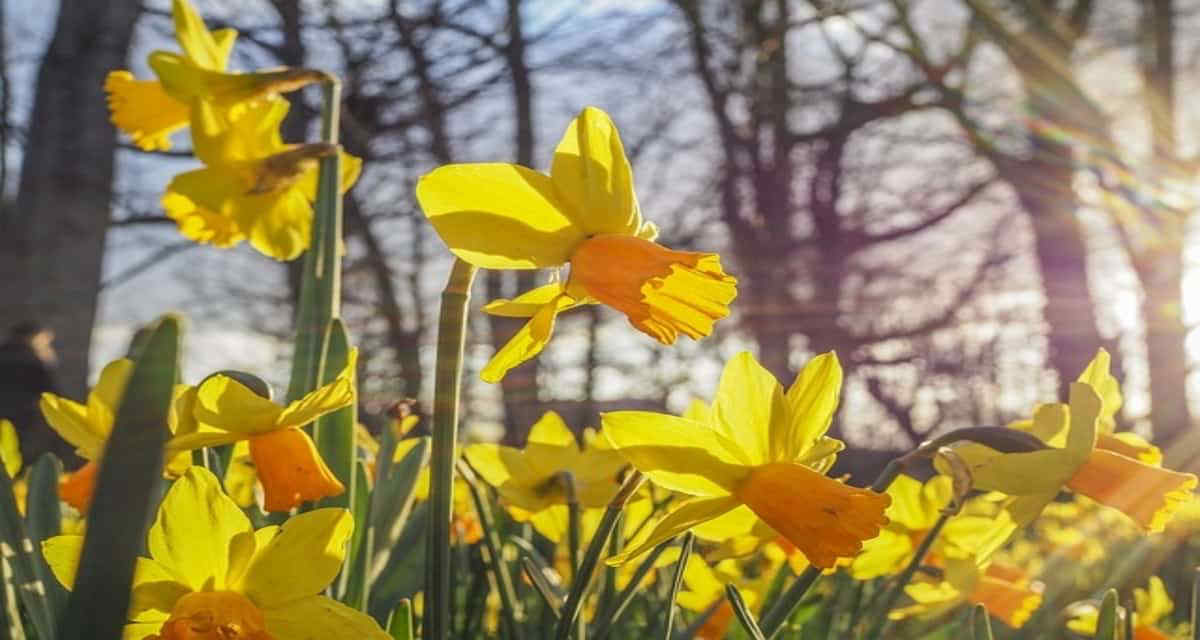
point(253, 186)
point(151, 110)
point(1144, 492)
point(532, 482)
point(210, 575)
point(762, 455)
point(914, 511)
point(1151, 605)
point(585, 214)
point(285, 459)
point(1007, 592)
point(88, 426)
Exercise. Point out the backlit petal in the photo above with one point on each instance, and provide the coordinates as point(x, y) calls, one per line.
point(682, 518)
point(592, 174)
point(527, 342)
point(197, 42)
point(70, 420)
point(228, 405)
point(812, 400)
point(498, 216)
point(676, 453)
point(527, 304)
point(323, 618)
point(301, 560)
point(142, 109)
point(194, 529)
point(750, 409)
point(197, 202)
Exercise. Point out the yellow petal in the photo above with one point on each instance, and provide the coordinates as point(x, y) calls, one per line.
point(737, 522)
point(62, 554)
point(70, 420)
point(592, 174)
point(698, 411)
point(240, 477)
point(915, 506)
point(320, 617)
point(197, 202)
point(194, 529)
point(197, 42)
point(152, 585)
point(750, 409)
point(278, 224)
point(498, 216)
point(351, 169)
point(142, 109)
point(301, 560)
point(111, 385)
point(682, 518)
point(154, 596)
point(551, 430)
point(495, 463)
point(228, 405)
point(141, 630)
point(1085, 412)
point(529, 303)
point(884, 555)
point(527, 342)
point(675, 453)
point(812, 400)
point(326, 399)
point(1021, 474)
point(10, 448)
point(1097, 376)
point(253, 135)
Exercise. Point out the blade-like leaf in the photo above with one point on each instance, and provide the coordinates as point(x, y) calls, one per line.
point(1107, 623)
point(981, 626)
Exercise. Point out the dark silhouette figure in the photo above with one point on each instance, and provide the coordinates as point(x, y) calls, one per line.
point(27, 361)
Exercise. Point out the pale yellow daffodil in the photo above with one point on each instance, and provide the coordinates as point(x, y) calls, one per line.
point(151, 110)
point(762, 455)
point(10, 449)
point(88, 426)
point(532, 480)
point(1144, 492)
point(209, 574)
point(253, 186)
point(285, 459)
point(584, 213)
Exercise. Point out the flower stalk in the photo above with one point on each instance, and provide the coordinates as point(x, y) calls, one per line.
point(452, 328)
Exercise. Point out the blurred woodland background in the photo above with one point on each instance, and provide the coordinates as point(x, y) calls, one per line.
point(964, 198)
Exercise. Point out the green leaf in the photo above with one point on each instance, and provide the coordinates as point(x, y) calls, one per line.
point(129, 475)
point(392, 500)
point(353, 582)
point(743, 612)
point(401, 624)
point(334, 432)
point(981, 626)
point(404, 574)
point(43, 517)
point(20, 564)
point(685, 553)
point(1107, 623)
point(1196, 604)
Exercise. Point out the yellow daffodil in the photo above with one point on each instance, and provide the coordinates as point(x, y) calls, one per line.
point(150, 111)
point(532, 480)
point(1151, 605)
point(915, 509)
point(762, 455)
point(284, 457)
point(585, 213)
point(704, 587)
point(1006, 592)
point(10, 449)
point(87, 427)
point(253, 185)
point(211, 576)
point(1144, 492)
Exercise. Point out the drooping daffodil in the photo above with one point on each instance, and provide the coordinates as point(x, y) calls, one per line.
point(285, 459)
point(253, 186)
point(88, 426)
point(1148, 494)
point(763, 455)
point(1006, 592)
point(532, 482)
point(151, 110)
point(211, 575)
point(585, 214)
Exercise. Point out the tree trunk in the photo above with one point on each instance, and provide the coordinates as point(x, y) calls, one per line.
point(53, 240)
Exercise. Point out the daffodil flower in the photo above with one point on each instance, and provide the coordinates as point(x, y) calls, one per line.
point(88, 426)
point(151, 110)
point(1006, 592)
point(1146, 493)
point(285, 459)
point(209, 574)
point(1151, 605)
point(586, 214)
point(253, 185)
point(10, 449)
point(914, 511)
point(530, 480)
point(762, 455)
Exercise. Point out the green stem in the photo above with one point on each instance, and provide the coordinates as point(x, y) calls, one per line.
point(587, 568)
point(452, 329)
point(685, 554)
point(610, 617)
point(320, 286)
point(894, 591)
